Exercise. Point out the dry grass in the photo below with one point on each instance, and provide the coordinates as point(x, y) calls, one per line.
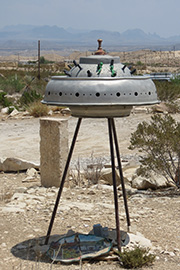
point(37, 109)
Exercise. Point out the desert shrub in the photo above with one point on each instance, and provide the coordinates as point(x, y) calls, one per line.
point(29, 97)
point(173, 107)
point(90, 172)
point(4, 102)
point(11, 84)
point(37, 109)
point(168, 91)
point(45, 61)
point(158, 141)
point(136, 258)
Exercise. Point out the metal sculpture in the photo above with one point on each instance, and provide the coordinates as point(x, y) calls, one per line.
point(100, 86)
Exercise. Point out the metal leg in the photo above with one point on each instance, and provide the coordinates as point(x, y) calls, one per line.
point(121, 175)
point(63, 180)
point(114, 183)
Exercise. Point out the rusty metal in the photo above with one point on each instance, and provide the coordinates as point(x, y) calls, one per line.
point(100, 50)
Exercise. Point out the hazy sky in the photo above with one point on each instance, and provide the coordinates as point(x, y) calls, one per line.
point(152, 16)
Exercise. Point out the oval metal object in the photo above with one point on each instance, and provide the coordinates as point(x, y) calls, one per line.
point(100, 86)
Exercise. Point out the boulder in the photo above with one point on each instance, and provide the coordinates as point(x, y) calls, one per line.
point(106, 176)
point(153, 182)
point(5, 110)
point(130, 171)
point(161, 108)
point(15, 165)
point(138, 240)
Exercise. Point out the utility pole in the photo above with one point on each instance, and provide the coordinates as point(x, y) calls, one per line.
point(39, 76)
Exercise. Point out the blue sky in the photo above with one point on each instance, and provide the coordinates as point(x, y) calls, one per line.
point(153, 16)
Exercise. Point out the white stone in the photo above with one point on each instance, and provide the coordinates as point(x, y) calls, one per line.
point(14, 113)
point(5, 110)
point(29, 179)
point(32, 172)
point(138, 240)
point(12, 209)
point(16, 164)
point(103, 187)
point(145, 183)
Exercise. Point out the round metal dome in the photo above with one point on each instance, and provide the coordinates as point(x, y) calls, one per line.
point(100, 86)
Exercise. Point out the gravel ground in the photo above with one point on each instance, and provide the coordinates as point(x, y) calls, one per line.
point(157, 217)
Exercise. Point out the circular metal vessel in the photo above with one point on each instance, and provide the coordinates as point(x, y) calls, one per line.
point(100, 86)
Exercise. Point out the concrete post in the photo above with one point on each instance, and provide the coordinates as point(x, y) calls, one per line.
point(53, 150)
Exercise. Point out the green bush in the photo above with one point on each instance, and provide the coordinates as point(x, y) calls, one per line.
point(11, 84)
point(168, 91)
point(158, 141)
point(4, 102)
point(29, 97)
point(136, 258)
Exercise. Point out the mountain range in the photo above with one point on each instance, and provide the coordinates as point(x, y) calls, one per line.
point(70, 36)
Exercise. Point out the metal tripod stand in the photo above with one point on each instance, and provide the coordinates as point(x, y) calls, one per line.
point(113, 142)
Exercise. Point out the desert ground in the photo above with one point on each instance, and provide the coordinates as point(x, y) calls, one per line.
point(26, 206)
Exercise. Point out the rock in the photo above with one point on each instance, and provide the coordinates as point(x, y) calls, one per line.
point(65, 111)
point(107, 176)
point(153, 182)
point(12, 209)
point(32, 172)
point(102, 187)
point(5, 110)
point(138, 240)
point(172, 254)
point(130, 170)
point(14, 113)
point(137, 109)
point(160, 108)
point(91, 192)
point(53, 150)
point(21, 190)
point(16, 164)
point(29, 179)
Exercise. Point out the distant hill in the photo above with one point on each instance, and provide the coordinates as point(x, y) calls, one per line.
point(72, 37)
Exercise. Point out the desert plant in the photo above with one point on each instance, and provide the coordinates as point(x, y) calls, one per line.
point(29, 97)
point(158, 141)
point(168, 91)
point(13, 83)
point(4, 102)
point(93, 171)
point(90, 172)
point(37, 109)
point(136, 258)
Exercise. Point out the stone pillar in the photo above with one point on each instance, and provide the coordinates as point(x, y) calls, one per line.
point(53, 150)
